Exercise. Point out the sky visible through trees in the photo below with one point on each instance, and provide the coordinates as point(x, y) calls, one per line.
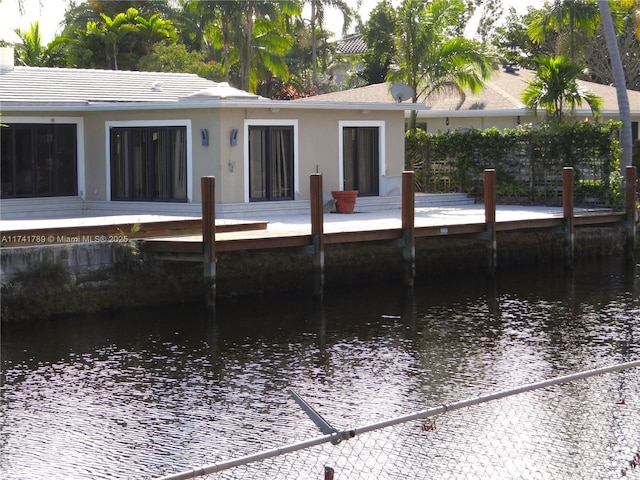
point(51, 13)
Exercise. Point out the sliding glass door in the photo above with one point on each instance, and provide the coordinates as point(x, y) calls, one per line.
point(38, 160)
point(361, 159)
point(271, 161)
point(149, 163)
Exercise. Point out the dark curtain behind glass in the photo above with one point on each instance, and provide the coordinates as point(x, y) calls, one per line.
point(39, 160)
point(149, 163)
point(270, 163)
point(360, 159)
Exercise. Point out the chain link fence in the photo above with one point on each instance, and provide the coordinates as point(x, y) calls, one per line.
point(581, 426)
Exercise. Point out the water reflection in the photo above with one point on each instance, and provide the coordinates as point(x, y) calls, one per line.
point(140, 393)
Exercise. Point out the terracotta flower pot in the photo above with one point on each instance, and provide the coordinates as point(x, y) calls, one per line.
point(345, 200)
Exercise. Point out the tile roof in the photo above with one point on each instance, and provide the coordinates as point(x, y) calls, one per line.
point(47, 88)
point(352, 44)
point(378, 93)
point(54, 89)
point(501, 92)
point(37, 85)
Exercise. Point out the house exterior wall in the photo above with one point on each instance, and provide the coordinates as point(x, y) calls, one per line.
point(319, 133)
point(435, 124)
point(93, 143)
point(202, 161)
point(318, 140)
point(231, 186)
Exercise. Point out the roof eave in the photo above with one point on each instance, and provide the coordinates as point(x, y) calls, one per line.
point(192, 104)
point(471, 113)
point(43, 107)
point(103, 106)
point(344, 105)
point(506, 113)
point(424, 111)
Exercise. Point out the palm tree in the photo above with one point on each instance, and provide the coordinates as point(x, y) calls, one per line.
point(583, 16)
point(263, 40)
point(248, 38)
point(221, 25)
point(430, 59)
point(555, 86)
point(193, 21)
point(317, 19)
point(155, 29)
point(626, 141)
point(575, 18)
point(267, 57)
point(32, 52)
point(113, 31)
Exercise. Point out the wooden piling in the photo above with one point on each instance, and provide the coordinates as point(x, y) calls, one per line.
point(490, 219)
point(568, 213)
point(631, 178)
point(408, 227)
point(317, 233)
point(208, 186)
point(328, 473)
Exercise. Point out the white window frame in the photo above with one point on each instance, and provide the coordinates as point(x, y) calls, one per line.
point(382, 162)
point(278, 123)
point(149, 123)
point(80, 158)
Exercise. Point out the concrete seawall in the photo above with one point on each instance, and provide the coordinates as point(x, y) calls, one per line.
point(49, 281)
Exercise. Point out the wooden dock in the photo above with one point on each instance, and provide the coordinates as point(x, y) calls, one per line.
point(117, 231)
point(203, 248)
point(202, 239)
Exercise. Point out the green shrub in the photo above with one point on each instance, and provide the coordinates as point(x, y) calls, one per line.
point(528, 161)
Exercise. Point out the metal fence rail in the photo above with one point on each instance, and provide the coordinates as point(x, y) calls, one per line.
point(584, 425)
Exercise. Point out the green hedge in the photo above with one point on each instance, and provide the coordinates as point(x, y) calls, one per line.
point(528, 161)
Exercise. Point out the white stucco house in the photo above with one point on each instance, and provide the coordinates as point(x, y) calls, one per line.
point(117, 142)
point(102, 142)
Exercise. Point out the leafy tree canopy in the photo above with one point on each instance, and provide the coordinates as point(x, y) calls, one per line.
point(379, 35)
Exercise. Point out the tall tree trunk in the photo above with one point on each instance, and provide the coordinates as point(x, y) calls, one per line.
point(225, 48)
point(314, 67)
point(620, 83)
point(115, 56)
point(246, 62)
point(413, 115)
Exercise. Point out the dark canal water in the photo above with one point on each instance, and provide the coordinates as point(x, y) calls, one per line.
point(145, 393)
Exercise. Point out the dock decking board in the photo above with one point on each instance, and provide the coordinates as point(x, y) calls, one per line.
point(133, 231)
point(193, 245)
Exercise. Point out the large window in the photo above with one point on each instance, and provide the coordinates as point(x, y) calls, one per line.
point(38, 160)
point(271, 162)
point(149, 163)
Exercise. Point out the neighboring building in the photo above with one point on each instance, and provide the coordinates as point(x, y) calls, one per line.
point(352, 49)
point(498, 105)
point(353, 44)
point(116, 142)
